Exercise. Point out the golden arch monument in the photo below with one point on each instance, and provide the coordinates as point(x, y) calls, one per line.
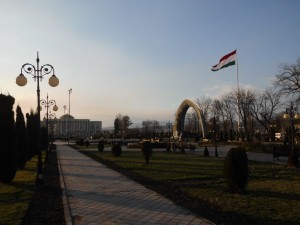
point(180, 116)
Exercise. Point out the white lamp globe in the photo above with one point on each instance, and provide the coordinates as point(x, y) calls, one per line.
point(53, 81)
point(21, 80)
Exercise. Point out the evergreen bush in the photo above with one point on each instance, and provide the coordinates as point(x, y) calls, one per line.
point(8, 157)
point(182, 149)
point(32, 134)
point(80, 142)
point(147, 150)
point(236, 170)
point(168, 147)
point(21, 138)
point(101, 146)
point(87, 143)
point(116, 149)
point(206, 153)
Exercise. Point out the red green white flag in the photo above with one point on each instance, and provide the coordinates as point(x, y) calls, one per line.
point(225, 61)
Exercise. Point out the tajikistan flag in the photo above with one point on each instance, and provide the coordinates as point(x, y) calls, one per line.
point(225, 61)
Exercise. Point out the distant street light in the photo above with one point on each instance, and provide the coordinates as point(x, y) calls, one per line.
point(47, 103)
point(38, 74)
point(69, 129)
point(292, 114)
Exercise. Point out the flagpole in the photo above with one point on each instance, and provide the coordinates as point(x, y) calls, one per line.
point(238, 92)
point(237, 72)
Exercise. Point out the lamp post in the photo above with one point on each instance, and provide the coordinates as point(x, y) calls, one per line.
point(38, 74)
point(215, 136)
point(292, 114)
point(69, 117)
point(47, 103)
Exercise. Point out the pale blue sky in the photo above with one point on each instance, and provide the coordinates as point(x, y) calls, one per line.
point(143, 58)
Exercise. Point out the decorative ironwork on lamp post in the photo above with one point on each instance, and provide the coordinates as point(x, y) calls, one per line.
point(292, 114)
point(47, 103)
point(38, 74)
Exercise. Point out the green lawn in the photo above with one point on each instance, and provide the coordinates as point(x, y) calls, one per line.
point(273, 191)
point(16, 196)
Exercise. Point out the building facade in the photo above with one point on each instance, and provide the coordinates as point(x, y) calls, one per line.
point(68, 126)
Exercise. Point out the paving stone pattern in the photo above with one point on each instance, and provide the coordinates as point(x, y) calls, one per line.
point(95, 194)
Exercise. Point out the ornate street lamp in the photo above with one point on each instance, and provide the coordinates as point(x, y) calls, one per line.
point(292, 114)
point(47, 103)
point(38, 74)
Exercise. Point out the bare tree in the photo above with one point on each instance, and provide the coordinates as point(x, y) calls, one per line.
point(288, 79)
point(121, 124)
point(190, 123)
point(155, 125)
point(228, 109)
point(204, 104)
point(243, 99)
point(147, 127)
point(265, 106)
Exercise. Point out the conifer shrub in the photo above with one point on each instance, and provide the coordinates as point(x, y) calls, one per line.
point(206, 153)
point(20, 138)
point(236, 170)
point(87, 143)
point(147, 150)
point(182, 149)
point(8, 156)
point(168, 147)
point(116, 149)
point(80, 142)
point(101, 146)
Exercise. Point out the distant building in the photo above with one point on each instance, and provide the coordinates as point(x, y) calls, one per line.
point(67, 125)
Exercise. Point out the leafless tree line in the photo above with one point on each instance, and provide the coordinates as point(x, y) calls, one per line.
point(244, 109)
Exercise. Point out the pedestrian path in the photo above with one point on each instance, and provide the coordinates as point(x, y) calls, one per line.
point(95, 194)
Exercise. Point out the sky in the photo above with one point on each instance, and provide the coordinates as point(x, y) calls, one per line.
point(142, 58)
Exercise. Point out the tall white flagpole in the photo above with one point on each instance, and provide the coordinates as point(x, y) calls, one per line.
point(238, 90)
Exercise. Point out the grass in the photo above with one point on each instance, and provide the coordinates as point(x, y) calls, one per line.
point(272, 197)
point(16, 196)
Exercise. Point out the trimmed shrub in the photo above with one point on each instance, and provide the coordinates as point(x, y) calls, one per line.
point(147, 150)
point(8, 157)
point(116, 149)
point(182, 149)
point(80, 142)
point(206, 153)
point(21, 138)
point(101, 146)
point(168, 147)
point(87, 143)
point(236, 170)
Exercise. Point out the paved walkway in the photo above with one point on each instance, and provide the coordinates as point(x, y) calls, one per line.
point(94, 194)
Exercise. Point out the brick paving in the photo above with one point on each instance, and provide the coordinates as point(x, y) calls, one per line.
point(95, 194)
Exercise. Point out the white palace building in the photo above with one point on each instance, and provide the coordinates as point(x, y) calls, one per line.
point(67, 125)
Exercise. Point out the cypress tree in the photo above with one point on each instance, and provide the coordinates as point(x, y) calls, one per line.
point(147, 150)
point(32, 134)
point(21, 139)
point(8, 165)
